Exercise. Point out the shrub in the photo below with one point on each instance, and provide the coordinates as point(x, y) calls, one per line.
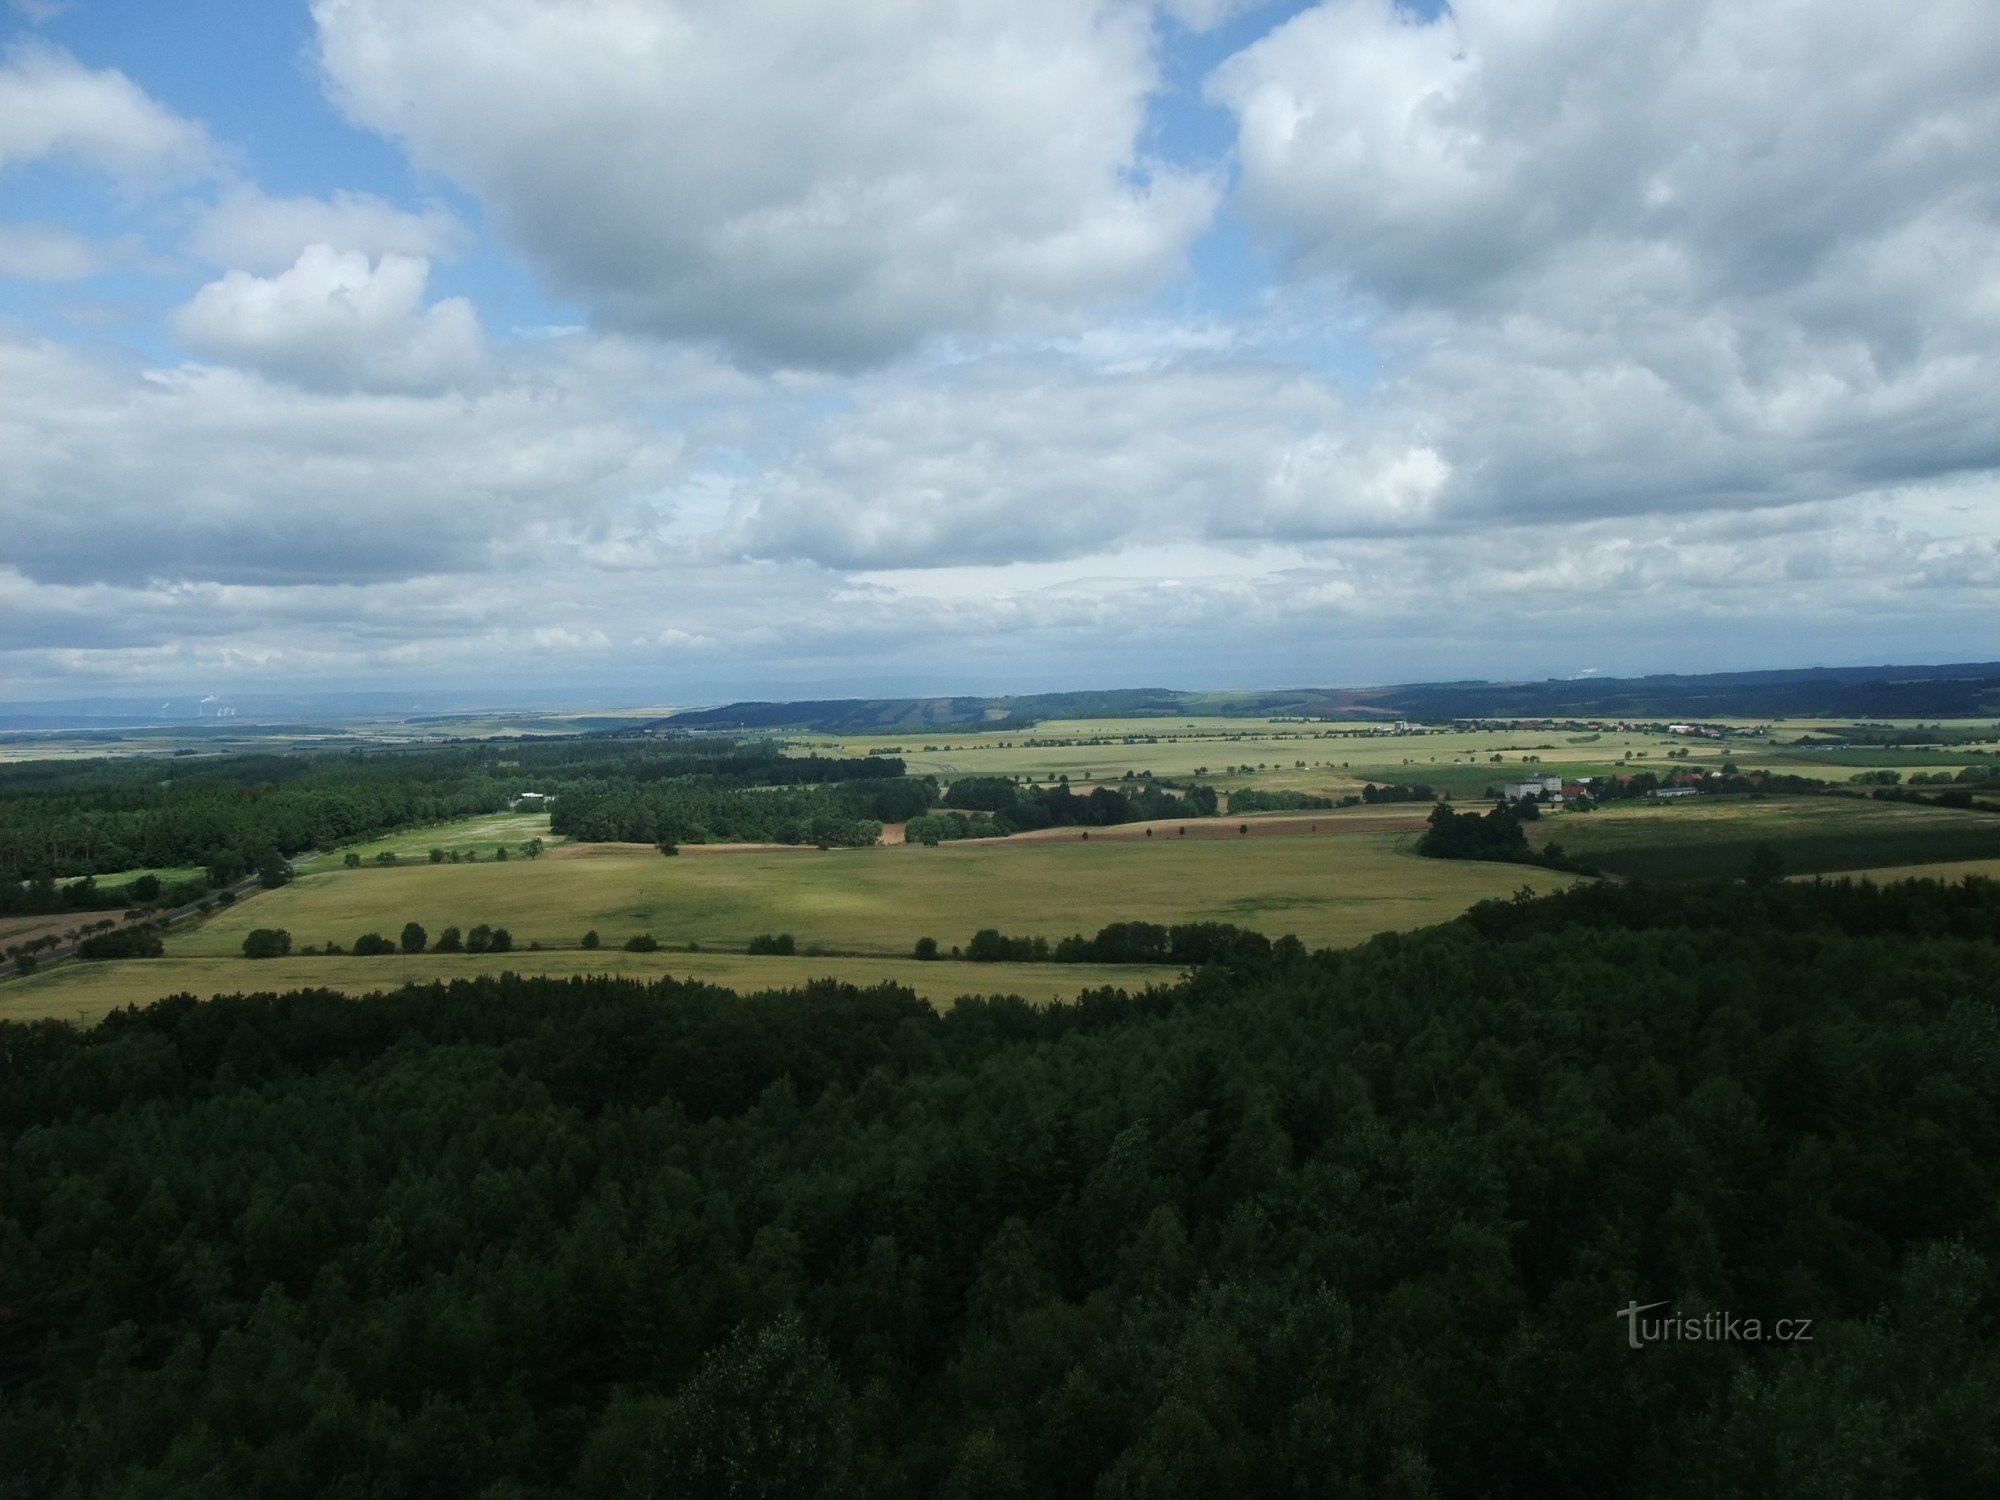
point(437, 856)
point(643, 942)
point(129, 942)
point(372, 945)
point(351, 860)
point(769, 943)
point(591, 939)
point(413, 938)
point(267, 942)
point(927, 948)
point(386, 858)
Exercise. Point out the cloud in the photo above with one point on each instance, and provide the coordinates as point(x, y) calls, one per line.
point(247, 230)
point(337, 320)
point(54, 108)
point(1623, 259)
point(203, 475)
point(820, 186)
point(1014, 460)
point(49, 252)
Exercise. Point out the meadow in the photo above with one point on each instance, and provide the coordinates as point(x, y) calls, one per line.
point(1715, 837)
point(1330, 889)
point(85, 992)
point(864, 909)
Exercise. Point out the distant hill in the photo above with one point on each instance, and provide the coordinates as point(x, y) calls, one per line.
point(1966, 690)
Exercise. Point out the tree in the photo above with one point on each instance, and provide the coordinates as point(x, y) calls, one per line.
point(591, 939)
point(767, 943)
point(413, 938)
point(449, 941)
point(437, 856)
point(267, 942)
point(351, 860)
point(372, 945)
point(927, 948)
point(643, 942)
point(503, 941)
point(479, 939)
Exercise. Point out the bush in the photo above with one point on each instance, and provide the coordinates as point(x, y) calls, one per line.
point(769, 943)
point(267, 942)
point(386, 858)
point(449, 941)
point(927, 948)
point(372, 945)
point(643, 942)
point(413, 938)
point(129, 942)
point(351, 860)
point(591, 939)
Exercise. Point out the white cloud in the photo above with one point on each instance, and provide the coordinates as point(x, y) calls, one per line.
point(49, 252)
point(247, 230)
point(335, 320)
point(204, 475)
point(819, 185)
point(53, 107)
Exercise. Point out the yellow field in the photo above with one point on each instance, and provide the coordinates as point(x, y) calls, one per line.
point(1323, 758)
point(1328, 889)
point(84, 992)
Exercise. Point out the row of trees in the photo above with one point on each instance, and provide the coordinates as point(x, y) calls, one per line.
point(1187, 943)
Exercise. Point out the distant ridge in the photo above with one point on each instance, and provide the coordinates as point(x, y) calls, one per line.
point(1964, 690)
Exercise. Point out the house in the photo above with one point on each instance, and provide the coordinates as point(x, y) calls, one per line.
point(1536, 787)
point(1674, 791)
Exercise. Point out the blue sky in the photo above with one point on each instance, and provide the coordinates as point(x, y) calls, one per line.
point(653, 349)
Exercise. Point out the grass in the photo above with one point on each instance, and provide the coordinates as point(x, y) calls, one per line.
point(1715, 838)
point(484, 834)
point(85, 992)
point(1331, 889)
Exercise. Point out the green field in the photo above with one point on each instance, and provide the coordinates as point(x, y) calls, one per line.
point(1714, 837)
point(84, 992)
point(1329, 889)
point(482, 835)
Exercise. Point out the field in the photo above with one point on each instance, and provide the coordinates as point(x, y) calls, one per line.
point(1715, 838)
point(83, 992)
point(1333, 888)
point(1340, 886)
point(481, 835)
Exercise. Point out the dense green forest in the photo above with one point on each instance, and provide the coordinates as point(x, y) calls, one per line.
point(1355, 1222)
point(233, 815)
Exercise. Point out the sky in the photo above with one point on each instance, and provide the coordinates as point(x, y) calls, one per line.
point(668, 351)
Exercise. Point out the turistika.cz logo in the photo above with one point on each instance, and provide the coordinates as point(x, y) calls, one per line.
point(1709, 1328)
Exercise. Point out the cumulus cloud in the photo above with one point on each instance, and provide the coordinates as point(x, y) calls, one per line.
point(203, 475)
point(1628, 258)
point(818, 185)
point(337, 320)
point(1020, 460)
point(53, 107)
point(248, 230)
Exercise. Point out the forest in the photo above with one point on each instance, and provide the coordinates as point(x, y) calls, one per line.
point(233, 815)
point(1345, 1222)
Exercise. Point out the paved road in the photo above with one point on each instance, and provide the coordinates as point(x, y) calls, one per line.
point(165, 919)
